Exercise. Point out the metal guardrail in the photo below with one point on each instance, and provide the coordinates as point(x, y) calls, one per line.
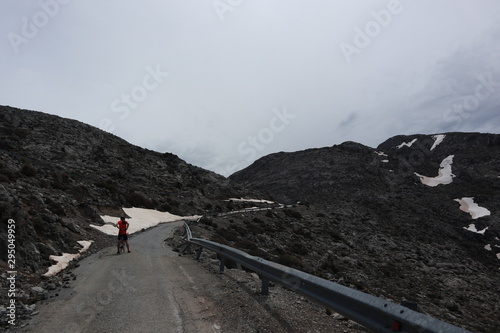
point(244, 210)
point(374, 313)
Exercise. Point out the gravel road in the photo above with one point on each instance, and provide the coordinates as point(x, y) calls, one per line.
point(153, 289)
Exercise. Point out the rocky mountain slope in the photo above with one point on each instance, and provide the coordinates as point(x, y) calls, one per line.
point(59, 175)
point(365, 219)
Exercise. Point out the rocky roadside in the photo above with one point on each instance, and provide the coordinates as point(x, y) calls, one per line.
point(461, 292)
point(242, 308)
point(31, 293)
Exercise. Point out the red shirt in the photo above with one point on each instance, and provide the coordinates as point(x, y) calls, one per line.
point(122, 226)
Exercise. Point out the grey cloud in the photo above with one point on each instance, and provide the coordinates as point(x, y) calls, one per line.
point(228, 74)
point(349, 120)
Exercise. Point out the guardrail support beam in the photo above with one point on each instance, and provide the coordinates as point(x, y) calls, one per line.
point(198, 253)
point(265, 286)
point(222, 264)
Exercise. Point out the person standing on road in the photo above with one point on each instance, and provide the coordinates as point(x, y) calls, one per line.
point(122, 226)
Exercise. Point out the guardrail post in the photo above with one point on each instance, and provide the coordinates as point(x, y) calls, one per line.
point(265, 286)
point(198, 253)
point(222, 264)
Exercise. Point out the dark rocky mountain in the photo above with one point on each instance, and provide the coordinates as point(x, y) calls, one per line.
point(364, 219)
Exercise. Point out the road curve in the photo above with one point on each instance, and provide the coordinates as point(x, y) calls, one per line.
point(151, 289)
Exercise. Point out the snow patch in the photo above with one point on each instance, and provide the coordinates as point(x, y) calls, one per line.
point(250, 200)
point(407, 144)
point(489, 248)
point(444, 174)
point(140, 218)
point(472, 228)
point(469, 206)
point(382, 154)
point(61, 262)
point(85, 245)
point(437, 140)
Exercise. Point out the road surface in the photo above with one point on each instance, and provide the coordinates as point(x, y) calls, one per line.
point(153, 289)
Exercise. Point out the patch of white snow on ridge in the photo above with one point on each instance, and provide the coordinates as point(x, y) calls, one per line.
point(469, 206)
point(489, 248)
point(472, 228)
point(61, 262)
point(140, 218)
point(407, 144)
point(444, 175)
point(437, 140)
point(381, 153)
point(250, 200)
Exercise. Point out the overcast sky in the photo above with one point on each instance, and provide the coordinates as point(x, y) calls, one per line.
point(221, 83)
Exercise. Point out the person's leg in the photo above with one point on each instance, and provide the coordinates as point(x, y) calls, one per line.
point(118, 245)
point(125, 237)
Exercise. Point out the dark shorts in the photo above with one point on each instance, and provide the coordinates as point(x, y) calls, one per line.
point(124, 237)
